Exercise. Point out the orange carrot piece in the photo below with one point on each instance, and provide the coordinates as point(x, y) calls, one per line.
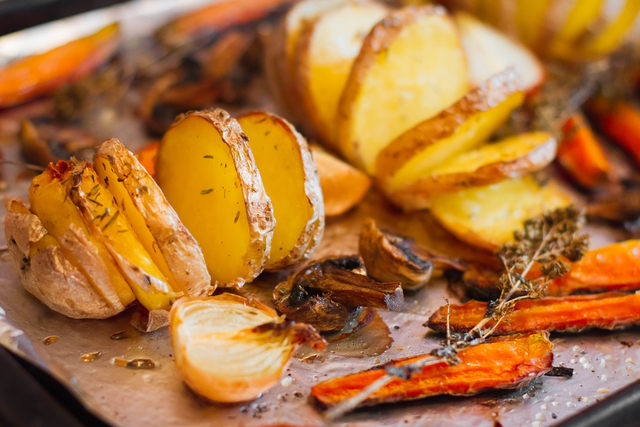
point(581, 154)
point(576, 313)
point(41, 74)
point(216, 17)
point(147, 157)
point(620, 121)
point(501, 363)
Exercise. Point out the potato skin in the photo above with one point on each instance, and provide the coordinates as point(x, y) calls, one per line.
point(48, 275)
point(258, 205)
point(416, 195)
point(483, 98)
point(312, 234)
point(179, 248)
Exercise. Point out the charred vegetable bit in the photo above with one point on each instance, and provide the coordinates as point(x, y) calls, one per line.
point(620, 206)
point(501, 363)
point(570, 314)
point(328, 294)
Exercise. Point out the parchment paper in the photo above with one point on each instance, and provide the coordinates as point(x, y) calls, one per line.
point(603, 361)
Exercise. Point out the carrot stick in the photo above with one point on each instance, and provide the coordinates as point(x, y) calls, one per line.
point(620, 121)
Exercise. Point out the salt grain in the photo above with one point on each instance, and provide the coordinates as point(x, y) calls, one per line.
point(556, 404)
point(583, 360)
point(584, 399)
point(548, 399)
point(287, 381)
point(604, 377)
point(576, 348)
point(572, 361)
point(544, 407)
point(571, 405)
point(536, 424)
point(540, 417)
point(629, 360)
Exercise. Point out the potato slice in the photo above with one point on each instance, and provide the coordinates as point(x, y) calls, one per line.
point(411, 67)
point(490, 52)
point(488, 216)
point(167, 241)
point(205, 168)
point(343, 186)
point(106, 220)
point(282, 49)
point(50, 201)
point(44, 271)
point(491, 163)
point(326, 52)
point(464, 126)
point(291, 181)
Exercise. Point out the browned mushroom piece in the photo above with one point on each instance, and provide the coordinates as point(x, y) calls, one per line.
point(620, 206)
point(327, 294)
point(481, 282)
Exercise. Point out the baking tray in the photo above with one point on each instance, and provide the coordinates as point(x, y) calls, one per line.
point(603, 361)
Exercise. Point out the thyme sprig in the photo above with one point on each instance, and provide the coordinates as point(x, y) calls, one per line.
point(549, 242)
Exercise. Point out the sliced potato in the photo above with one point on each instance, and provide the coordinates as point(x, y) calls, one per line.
point(490, 52)
point(291, 181)
point(488, 216)
point(578, 17)
point(529, 19)
point(411, 67)
point(46, 273)
point(50, 201)
point(491, 163)
point(168, 242)
point(610, 37)
point(343, 186)
point(326, 51)
point(464, 126)
point(207, 172)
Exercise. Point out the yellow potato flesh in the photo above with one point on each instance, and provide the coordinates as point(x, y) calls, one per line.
point(198, 177)
point(609, 38)
point(422, 72)
point(277, 156)
point(583, 13)
point(529, 18)
point(336, 41)
point(468, 136)
point(109, 180)
point(50, 202)
point(488, 216)
point(118, 233)
point(504, 151)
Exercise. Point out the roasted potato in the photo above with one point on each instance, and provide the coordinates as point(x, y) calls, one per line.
point(487, 216)
point(396, 81)
point(343, 186)
point(291, 181)
point(491, 163)
point(326, 52)
point(465, 125)
point(207, 171)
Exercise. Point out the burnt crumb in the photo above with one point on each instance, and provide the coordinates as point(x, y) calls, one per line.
point(560, 371)
point(298, 394)
point(497, 424)
point(554, 416)
point(255, 409)
point(396, 327)
point(626, 343)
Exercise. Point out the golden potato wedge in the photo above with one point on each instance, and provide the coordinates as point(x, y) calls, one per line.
point(207, 172)
point(613, 33)
point(490, 52)
point(488, 216)
point(326, 52)
point(491, 163)
point(291, 181)
point(284, 46)
point(343, 186)
point(49, 197)
point(105, 219)
point(164, 237)
point(44, 271)
point(411, 67)
point(464, 126)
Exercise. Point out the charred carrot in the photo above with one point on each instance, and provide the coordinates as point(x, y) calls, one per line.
point(147, 157)
point(581, 154)
point(217, 17)
point(620, 121)
point(576, 313)
point(41, 74)
point(501, 363)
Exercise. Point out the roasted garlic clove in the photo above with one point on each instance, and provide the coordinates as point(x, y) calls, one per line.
point(391, 258)
point(328, 293)
point(229, 349)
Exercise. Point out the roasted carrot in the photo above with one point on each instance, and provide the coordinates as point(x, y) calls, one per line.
point(612, 310)
point(620, 121)
point(147, 157)
point(501, 363)
point(41, 74)
point(581, 154)
point(216, 17)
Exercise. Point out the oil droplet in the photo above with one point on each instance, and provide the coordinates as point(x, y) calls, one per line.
point(90, 357)
point(50, 340)
point(141, 364)
point(122, 335)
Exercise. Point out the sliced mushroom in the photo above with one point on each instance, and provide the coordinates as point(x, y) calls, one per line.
point(328, 294)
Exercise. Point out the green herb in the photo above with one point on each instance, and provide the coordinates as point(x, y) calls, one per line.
point(203, 192)
point(208, 157)
point(113, 218)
